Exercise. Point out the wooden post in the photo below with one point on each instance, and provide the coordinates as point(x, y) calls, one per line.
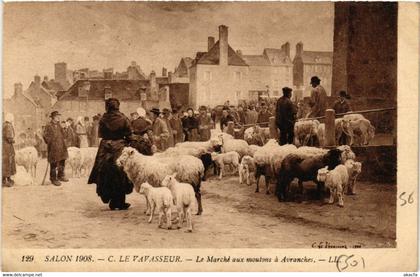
point(329, 127)
point(230, 128)
point(274, 134)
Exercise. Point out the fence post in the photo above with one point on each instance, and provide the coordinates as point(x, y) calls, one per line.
point(230, 129)
point(329, 127)
point(273, 128)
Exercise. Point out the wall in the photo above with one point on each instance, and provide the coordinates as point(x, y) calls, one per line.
point(25, 113)
point(324, 72)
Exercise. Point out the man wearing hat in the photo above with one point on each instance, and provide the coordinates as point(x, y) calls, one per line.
point(264, 115)
point(176, 126)
point(57, 149)
point(341, 105)
point(205, 123)
point(318, 101)
point(286, 117)
point(166, 118)
point(226, 117)
point(159, 131)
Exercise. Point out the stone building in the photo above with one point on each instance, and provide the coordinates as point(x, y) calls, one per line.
point(27, 112)
point(218, 75)
point(311, 63)
point(41, 93)
point(63, 75)
point(269, 72)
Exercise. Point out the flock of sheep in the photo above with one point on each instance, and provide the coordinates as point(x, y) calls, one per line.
point(173, 178)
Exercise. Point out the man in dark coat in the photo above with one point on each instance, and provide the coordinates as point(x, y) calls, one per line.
point(264, 115)
point(205, 124)
point(57, 149)
point(112, 184)
point(9, 165)
point(226, 117)
point(285, 117)
point(341, 105)
point(190, 126)
point(176, 125)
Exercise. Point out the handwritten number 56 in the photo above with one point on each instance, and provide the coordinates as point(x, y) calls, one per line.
point(406, 200)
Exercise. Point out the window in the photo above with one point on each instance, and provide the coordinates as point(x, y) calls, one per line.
point(238, 94)
point(238, 76)
point(207, 75)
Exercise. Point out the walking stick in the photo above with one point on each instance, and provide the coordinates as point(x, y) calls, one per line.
point(45, 175)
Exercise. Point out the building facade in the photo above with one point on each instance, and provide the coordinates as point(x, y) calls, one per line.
point(218, 75)
point(311, 63)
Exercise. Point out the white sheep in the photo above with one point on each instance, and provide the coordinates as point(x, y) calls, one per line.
point(207, 145)
point(253, 149)
point(22, 177)
point(355, 116)
point(223, 159)
point(88, 155)
point(153, 169)
point(176, 151)
point(363, 131)
point(353, 169)
point(246, 166)
point(309, 152)
point(159, 198)
point(278, 154)
point(28, 158)
point(238, 145)
point(346, 153)
point(335, 180)
point(304, 130)
point(343, 127)
point(74, 160)
point(183, 197)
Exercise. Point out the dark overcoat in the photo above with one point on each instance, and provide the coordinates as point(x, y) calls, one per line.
point(285, 113)
point(111, 181)
point(54, 138)
point(9, 165)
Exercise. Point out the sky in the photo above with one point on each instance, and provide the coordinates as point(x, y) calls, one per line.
point(155, 35)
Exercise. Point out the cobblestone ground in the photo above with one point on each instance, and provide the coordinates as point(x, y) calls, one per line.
point(72, 216)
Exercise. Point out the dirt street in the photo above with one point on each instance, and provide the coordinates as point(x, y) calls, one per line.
point(72, 216)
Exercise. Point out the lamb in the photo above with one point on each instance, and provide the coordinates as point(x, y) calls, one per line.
point(309, 151)
point(181, 150)
point(335, 180)
point(74, 160)
point(28, 158)
point(246, 166)
point(353, 169)
point(305, 131)
point(22, 177)
point(342, 126)
point(363, 131)
point(159, 198)
point(223, 159)
point(153, 169)
point(305, 169)
point(183, 198)
point(355, 116)
point(253, 149)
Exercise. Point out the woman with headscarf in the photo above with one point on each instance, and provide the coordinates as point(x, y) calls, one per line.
point(112, 184)
point(81, 132)
point(9, 165)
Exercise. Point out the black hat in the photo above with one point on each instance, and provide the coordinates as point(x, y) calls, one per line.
point(155, 111)
point(166, 111)
point(112, 104)
point(315, 80)
point(202, 108)
point(69, 119)
point(344, 94)
point(54, 113)
point(286, 90)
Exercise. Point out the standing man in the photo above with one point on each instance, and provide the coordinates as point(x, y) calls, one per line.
point(226, 117)
point(160, 131)
point(341, 105)
point(176, 125)
point(190, 126)
point(286, 117)
point(318, 101)
point(57, 150)
point(205, 123)
point(9, 165)
point(166, 118)
point(264, 115)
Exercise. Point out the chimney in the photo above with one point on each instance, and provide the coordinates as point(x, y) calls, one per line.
point(37, 79)
point(299, 49)
point(18, 88)
point(287, 49)
point(170, 76)
point(133, 63)
point(223, 45)
point(210, 43)
point(164, 72)
point(239, 52)
point(153, 85)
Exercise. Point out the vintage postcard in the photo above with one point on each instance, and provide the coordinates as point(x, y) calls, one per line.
point(210, 136)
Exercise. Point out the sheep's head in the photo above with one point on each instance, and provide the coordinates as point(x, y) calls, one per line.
point(346, 153)
point(169, 180)
point(322, 174)
point(125, 155)
point(213, 156)
point(357, 167)
point(144, 188)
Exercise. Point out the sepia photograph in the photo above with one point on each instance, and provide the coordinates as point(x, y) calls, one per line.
point(202, 125)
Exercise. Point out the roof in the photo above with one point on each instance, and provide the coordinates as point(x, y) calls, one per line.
point(162, 80)
point(121, 89)
point(317, 57)
point(256, 60)
point(188, 61)
point(276, 56)
point(27, 97)
point(52, 85)
point(212, 56)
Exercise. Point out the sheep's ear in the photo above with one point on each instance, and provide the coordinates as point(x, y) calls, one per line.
point(131, 152)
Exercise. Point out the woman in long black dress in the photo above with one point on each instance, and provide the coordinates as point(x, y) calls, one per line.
point(112, 183)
